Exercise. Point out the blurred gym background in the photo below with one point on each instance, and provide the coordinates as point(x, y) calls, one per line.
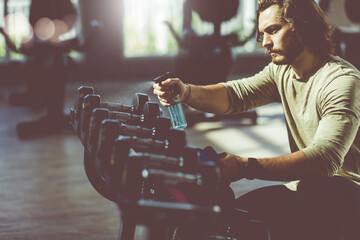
point(48, 49)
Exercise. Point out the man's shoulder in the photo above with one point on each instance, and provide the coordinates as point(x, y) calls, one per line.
point(337, 67)
point(338, 73)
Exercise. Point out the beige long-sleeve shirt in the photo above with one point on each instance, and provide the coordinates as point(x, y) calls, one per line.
point(322, 111)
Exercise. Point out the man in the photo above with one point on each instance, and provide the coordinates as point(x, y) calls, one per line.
point(320, 94)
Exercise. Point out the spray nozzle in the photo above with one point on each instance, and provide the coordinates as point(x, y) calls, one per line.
point(163, 77)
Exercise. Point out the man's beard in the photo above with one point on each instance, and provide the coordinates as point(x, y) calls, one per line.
point(289, 53)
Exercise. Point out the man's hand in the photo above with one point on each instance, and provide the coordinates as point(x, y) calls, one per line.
point(168, 89)
point(230, 166)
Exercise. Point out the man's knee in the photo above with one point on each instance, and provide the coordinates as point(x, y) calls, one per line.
point(330, 205)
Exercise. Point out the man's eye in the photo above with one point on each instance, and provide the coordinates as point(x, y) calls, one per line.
point(273, 30)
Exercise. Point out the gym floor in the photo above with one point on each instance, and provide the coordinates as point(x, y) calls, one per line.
point(44, 191)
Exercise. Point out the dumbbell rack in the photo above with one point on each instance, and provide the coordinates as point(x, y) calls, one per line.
point(145, 176)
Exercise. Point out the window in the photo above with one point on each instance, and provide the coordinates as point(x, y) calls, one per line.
point(145, 31)
point(146, 34)
point(17, 11)
point(2, 41)
point(17, 24)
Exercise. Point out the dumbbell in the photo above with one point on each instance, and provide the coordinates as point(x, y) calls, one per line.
point(101, 143)
point(191, 158)
point(92, 101)
point(122, 151)
point(101, 154)
point(117, 171)
point(109, 134)
point(173, 145)
point(138, 101)
point(136, 107)
point(147, 119)
point(110, 157)
point(99, 157)
point(159, 131)
point(143, 170)
point(188, 158)
point(96, 180)
point(203, 186)
point(75, 112)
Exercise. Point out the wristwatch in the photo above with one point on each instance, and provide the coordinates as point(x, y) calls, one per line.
point(252, 168)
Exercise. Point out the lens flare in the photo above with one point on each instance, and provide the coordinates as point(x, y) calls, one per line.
point(44, 28)
point(60, 28)
point(18, 25)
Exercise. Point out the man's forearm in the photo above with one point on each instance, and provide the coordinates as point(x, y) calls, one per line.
point(211, 98)
point(289, 167)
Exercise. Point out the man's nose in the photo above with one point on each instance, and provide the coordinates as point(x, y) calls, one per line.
point(266, 40)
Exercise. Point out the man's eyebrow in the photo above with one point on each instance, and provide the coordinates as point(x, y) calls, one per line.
point(271, 27)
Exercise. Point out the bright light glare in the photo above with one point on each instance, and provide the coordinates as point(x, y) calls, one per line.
point(59, 29)
point(44, 28)
point(17, 24)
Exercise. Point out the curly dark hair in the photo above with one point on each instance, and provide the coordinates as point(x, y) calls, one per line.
point(307, 20)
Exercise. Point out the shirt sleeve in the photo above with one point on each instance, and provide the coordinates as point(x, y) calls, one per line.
point(248, 93)
point(339, 107)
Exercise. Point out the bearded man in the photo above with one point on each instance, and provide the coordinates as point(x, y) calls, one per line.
point(320, 95)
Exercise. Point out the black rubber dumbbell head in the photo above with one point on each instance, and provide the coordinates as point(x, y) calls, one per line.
point(131, 182)
point(81, 93)
point(138, 102)
point(119, 156)
point(162, 128)
point(151, 112)
point(91, 101)
point(97, 116)
point(177, 141)
point(108, 134)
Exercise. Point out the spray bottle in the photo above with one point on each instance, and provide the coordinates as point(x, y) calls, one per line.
point(176, 111)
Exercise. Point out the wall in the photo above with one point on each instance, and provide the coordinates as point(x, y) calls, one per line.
point(104, 59)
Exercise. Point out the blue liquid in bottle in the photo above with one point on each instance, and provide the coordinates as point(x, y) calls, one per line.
point(177, 115)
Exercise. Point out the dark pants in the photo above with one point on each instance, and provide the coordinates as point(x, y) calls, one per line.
point(323, 208)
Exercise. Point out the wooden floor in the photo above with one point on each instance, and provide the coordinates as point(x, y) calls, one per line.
point(45, 194)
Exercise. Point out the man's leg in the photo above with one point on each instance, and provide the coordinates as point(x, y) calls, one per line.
point(274, 205)
point(322, 208)
point(329, 208)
